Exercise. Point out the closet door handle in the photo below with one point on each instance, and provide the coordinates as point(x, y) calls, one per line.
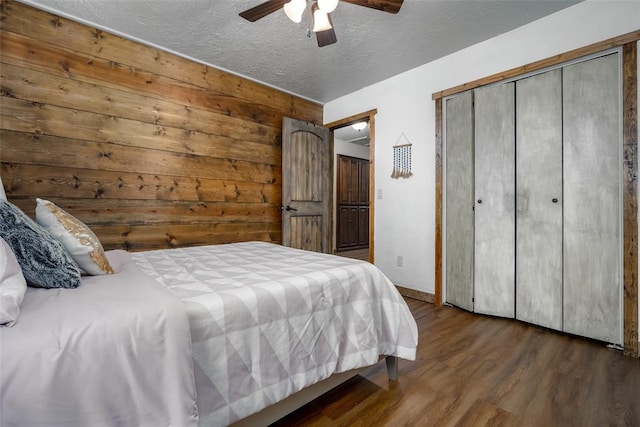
point(479, 201)
point(554, 200)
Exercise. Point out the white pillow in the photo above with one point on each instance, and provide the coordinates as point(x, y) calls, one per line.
point(12, 285)
point(3, 195)
point(78, 239)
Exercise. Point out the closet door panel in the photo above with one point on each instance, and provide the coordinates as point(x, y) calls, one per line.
point(494, 266)
point(592, 245)
point(539, 199)
point(459, 200)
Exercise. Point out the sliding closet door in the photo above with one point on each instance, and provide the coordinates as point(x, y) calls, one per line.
point(459, 200)
point(539, 199)
point(592, 245)
point(494, 266)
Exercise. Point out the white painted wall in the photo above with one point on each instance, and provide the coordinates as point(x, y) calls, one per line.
point(405, 217)
point(347, 149)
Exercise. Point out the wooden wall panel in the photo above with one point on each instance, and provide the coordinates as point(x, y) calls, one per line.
point(630, 196)
point(126, 53)
point(151, 150)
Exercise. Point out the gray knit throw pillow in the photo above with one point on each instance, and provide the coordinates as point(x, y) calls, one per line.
point(44, 261)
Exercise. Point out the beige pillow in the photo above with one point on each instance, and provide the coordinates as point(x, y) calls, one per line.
point(78, 239)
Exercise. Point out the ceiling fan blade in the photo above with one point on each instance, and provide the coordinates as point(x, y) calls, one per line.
point(327, 37)
point(262, 10)
point(390, 6)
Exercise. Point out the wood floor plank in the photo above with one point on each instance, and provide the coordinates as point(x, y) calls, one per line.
point(474, 370)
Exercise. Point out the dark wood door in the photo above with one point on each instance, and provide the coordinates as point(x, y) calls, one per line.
point(348, 226)
point(363, 226)
point(353, 203)
point(363, 182)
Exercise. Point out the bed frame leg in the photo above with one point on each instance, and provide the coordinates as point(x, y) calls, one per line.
point(392, 367)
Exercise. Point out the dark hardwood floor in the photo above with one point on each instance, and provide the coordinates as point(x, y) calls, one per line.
point(361, 254)
point(474, 370)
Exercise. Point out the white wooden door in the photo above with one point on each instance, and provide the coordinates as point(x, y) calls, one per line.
point(306, 186)
point(592, 226)
point(494, 266)
point(539, 199)
point(459, 200)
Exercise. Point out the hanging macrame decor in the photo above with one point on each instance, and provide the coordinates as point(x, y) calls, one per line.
point(402, 158)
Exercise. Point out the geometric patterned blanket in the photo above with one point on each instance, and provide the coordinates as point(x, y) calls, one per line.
point(268, 320)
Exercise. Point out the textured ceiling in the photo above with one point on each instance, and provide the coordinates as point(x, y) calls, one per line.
point(371, 47)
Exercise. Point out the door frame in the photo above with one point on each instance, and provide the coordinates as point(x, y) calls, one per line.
point(347, 121)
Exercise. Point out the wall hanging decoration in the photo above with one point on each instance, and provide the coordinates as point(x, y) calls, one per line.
point(402, 158)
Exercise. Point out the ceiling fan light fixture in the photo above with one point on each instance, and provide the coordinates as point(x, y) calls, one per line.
point(359, 126)
point(294, 10)
point(320, 19)
point(327, 6)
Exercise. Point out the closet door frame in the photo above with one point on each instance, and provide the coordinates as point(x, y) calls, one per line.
point(496, 283)
point(627, 45)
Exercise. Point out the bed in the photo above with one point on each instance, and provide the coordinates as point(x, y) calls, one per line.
point(196, 336)
point(282, 318)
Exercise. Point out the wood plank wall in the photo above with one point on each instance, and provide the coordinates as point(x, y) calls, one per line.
point(149, 149)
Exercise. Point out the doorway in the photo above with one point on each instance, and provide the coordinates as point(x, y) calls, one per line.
point(347, 141)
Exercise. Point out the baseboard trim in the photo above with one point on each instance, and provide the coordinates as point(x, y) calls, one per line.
point(419, 295)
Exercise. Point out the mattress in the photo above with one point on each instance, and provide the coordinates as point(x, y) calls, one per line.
point(267, 320)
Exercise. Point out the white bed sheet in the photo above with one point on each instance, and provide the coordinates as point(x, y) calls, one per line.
point(116, 351)
point(267, 321)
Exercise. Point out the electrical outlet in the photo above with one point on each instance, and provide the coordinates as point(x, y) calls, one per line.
point(399, 261)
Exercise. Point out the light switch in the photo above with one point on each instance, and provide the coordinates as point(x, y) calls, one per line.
point(379, 193)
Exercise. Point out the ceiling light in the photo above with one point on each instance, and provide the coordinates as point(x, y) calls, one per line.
point(327, 6)
point(320, 19)
point(359, 126)
point(294, 10)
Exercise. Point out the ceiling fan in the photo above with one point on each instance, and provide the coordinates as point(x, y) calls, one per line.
point(320, 13)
